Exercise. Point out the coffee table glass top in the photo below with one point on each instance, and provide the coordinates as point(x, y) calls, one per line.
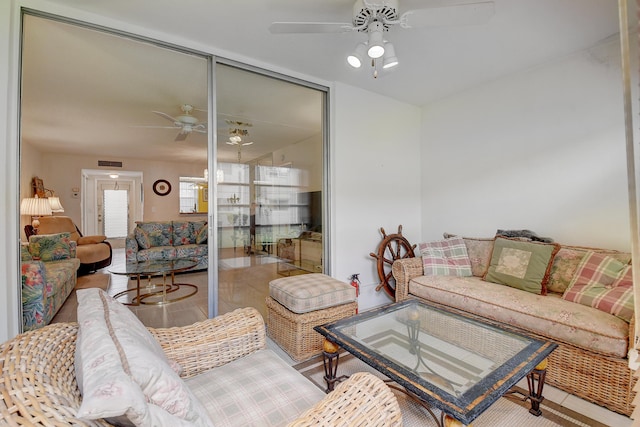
point(456, 363)
point(154, 267)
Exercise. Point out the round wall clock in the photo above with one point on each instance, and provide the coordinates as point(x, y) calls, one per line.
point(162, 187)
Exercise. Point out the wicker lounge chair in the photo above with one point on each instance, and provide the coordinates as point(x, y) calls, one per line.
point(38, 385)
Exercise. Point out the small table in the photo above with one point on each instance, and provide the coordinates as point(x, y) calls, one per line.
point(454, 362)
point(152, 268)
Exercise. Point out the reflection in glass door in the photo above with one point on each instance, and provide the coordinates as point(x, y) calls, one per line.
point(269, 184)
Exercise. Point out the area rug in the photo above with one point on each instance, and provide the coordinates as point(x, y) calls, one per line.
point(506, 412)
point(96, 280)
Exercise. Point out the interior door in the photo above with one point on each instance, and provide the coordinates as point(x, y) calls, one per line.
point(114, 213)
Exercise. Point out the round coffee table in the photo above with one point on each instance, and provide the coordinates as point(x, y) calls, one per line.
point(155, 268)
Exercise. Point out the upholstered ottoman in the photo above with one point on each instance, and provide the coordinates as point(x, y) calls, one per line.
point(298, 303)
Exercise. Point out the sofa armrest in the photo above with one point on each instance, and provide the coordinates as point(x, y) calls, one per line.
point(363, 399)
point(131, 248)
point(205, 345)
point(90, 240)
point(405, 269)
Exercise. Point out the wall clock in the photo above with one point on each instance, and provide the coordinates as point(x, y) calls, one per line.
point(162, 187)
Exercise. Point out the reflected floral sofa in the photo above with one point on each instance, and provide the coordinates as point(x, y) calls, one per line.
point(49, 274)
point(160, 240)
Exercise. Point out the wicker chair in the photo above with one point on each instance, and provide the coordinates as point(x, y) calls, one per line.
point(38, 385)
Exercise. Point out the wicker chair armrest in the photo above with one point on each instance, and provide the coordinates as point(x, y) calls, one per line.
point(405, 269)
point(205, 345)
point(362, 400)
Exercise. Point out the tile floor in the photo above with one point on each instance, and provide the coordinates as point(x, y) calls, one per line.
point(239, 287)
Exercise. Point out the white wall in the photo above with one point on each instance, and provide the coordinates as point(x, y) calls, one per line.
point(375, 155)
point(542, 149)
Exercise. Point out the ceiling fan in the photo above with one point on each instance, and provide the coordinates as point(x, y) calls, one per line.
point(236, 133)
point(386, 12)
point(377, 16)
point(185, 122)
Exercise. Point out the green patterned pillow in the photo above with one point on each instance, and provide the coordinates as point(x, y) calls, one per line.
point(604, 283)
point(202, 235)
point(521, 264)
point(142, 237)
point(50, 247)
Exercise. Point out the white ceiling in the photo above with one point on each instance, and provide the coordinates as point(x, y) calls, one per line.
point(62, 102)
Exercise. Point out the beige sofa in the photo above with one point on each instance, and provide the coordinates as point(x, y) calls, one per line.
point(591, 359)
point(224, 359)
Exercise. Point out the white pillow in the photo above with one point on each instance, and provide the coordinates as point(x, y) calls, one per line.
point(122, 370)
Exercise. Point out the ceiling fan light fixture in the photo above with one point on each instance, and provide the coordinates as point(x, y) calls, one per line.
point(376, 42)
point(389, 60)
point(357, 57)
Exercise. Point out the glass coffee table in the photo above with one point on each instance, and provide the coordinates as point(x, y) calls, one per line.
point(153, 296)
point(442, 358)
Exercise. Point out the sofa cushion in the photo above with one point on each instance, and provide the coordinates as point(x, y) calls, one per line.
point(160, 232)
point(604, 283)
point(183, 233)
point(50, 247)
point(191, 251)
point(122, 370)
point(446, 257)
point(521, 264)
point(256, 390)
point(549, 316)
point(157, 253)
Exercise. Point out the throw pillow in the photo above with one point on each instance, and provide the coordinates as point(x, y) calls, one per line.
point(202, 235)
point(142, 237)
point(479, 250)
point(122, 371)
point(521, 264)
point(446, 257)
point(604, 283)
point(50, 247)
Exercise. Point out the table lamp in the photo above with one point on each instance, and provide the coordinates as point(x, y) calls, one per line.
point(35, 207)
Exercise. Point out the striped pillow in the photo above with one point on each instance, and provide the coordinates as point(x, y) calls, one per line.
point(604, 283)
point(446, 257)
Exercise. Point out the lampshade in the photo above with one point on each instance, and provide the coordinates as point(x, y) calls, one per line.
point(356, 58)
point(35, 206)
point(56, 206)
point(389, 59)
point(376, 42)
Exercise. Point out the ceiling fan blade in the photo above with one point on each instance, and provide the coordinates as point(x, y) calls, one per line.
point(310, 27)
point(166, 116)
point(181, 136)
point(459, 14)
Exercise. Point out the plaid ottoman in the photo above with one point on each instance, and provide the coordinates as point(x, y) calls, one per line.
point(298, 303)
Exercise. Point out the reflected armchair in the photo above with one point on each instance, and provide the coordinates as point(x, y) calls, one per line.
point(94, 252)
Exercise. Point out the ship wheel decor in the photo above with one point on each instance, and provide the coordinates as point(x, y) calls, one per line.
point(391, 248)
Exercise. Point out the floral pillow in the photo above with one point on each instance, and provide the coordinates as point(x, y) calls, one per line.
point(446, 257)
point(202, 235)
point(142, 237)
point(521, 264)
point(51, 247)
point(123, 373)
point(604, 283)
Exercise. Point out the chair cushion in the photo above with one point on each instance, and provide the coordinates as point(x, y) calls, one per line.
point(58, 224)
point(256, 390)
point(122, 371)
point(310, 292)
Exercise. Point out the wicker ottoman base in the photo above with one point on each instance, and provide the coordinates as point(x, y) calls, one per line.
point(294, 332)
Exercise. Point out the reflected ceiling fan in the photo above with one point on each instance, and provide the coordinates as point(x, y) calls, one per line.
point(185, 122)
point(375, 17)
point(236, 133)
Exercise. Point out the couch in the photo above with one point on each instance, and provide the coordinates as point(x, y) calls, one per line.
point(223, 362)
point(591, 359)
point(159, 240)
point(94, 252)
point(49, 274)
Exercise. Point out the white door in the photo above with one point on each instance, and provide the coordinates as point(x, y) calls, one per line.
point(114, 212)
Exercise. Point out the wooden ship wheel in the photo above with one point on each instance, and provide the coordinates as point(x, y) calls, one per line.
point(391, 248)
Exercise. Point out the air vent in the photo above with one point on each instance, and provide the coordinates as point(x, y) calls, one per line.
point(109, 164)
